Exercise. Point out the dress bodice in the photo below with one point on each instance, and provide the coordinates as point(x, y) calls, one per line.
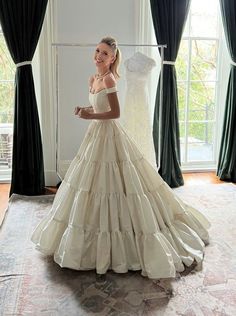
point(99, 100)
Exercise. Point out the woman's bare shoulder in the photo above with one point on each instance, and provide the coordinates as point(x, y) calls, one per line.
point(109, 80)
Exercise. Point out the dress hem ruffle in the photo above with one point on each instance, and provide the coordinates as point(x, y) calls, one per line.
point(113, 211)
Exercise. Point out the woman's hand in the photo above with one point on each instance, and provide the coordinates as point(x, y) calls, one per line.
point(77, 109)
point(84, 114)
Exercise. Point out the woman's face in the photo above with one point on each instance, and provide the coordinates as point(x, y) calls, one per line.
point(104, 56)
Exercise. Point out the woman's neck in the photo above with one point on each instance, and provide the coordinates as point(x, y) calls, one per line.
point(102, 71)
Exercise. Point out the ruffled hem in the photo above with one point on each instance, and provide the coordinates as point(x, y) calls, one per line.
point(113, 211)
point(158, 250)
point(119, 251)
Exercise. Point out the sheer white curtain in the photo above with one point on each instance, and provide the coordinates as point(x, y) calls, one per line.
point(146, 35)
point(46, 90)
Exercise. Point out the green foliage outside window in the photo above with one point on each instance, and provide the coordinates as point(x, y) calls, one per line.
point(7, 73)
point(201, 77)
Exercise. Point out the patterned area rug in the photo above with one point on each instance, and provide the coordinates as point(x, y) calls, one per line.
point(32, 284)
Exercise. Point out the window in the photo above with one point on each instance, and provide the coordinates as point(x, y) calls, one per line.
point(197, 67)
point(7, 73)
point(202, 68)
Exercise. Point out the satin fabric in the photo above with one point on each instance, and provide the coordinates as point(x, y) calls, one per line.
point(114, 211)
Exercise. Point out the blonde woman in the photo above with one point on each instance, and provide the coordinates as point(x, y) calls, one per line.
point(113, 210)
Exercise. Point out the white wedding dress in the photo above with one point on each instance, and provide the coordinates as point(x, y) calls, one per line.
point(137, 120)
point(114, 211)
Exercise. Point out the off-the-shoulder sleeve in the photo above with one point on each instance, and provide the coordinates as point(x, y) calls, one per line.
point(111, 90)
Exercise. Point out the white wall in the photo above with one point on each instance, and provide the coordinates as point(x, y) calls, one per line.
point(78, 22)
point(85, 22)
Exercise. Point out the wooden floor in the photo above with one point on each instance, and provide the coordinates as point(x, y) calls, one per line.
point(189, 179)
point(201, 178)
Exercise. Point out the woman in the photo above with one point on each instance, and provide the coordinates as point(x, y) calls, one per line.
point(113, 210)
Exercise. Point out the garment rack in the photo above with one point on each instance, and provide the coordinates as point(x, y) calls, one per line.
point(93, 45)
point(162, 47)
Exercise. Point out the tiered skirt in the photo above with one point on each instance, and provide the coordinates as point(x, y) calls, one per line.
point(114, 211)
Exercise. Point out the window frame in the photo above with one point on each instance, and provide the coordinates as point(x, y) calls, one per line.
point(204, 164)
point(222, 73)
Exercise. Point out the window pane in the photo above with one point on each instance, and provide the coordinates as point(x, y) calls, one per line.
point(204, 20)
point(6, 119)
point(182, 60)
point(6, 139)
point(7, 67)
point(186, 28)
point(203, 59)
point(197, 76)
point(182, 140)
point(6, 102)
point(202, 101)
point(182, 99)
point(200, 141)
point(7, 74)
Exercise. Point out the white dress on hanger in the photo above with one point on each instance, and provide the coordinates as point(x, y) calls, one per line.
point(114, 211)
point(137, 120)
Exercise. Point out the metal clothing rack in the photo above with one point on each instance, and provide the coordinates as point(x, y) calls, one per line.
point(93, 45)
point(162, 47)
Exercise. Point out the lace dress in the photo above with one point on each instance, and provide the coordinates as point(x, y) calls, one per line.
point(136, 119)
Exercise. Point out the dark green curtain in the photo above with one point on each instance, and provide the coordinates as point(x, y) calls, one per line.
point(21, 22)
point(227, 159)
point(169, 17)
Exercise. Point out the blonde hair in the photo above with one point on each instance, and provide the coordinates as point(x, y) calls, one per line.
point(110, 41)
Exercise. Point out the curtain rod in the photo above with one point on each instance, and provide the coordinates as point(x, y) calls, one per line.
point(92, 45)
